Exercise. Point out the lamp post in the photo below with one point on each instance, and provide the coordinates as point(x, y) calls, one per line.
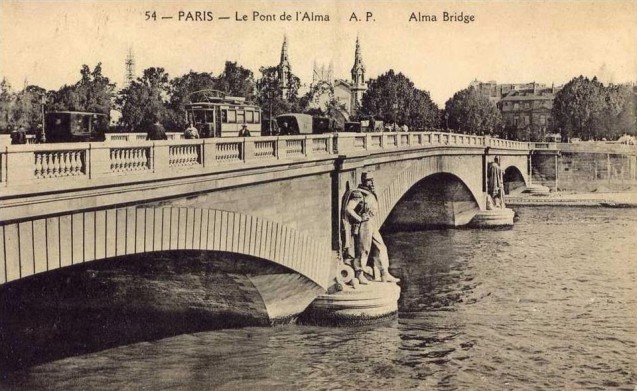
point(394, 106)
point(43, 136)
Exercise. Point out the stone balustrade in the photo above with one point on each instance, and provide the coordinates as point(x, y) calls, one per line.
point(125, 153)
point(138, 136)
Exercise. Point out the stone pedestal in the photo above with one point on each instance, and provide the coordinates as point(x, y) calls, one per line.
point(365, 303)
point(500, 217)
point(537, 190)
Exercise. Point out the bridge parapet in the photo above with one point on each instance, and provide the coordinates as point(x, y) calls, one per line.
point(139, 136)
point(23, 165)
point(364, 142)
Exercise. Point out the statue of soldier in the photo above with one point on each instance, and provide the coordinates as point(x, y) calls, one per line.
point(361, 211)
point(495, 183)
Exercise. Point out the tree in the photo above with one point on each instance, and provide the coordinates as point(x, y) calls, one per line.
point(236, 81)
point(578, 108)
point(469, 111)
point(95, 91)
point(66, 98)
point(271, 96)
point(144, 101)
point(92, 93)
point(27, 110)
point(394, 98)
point(7, 100)
point(618, 116)
point(180, 90)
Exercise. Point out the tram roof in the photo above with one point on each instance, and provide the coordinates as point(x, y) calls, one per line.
point(226, 101)
point(74, 112)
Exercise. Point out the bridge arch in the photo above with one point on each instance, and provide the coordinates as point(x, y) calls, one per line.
point(452, 187)
point(40, 245)
point(513, 179)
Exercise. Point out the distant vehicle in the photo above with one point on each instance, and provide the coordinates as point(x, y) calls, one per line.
point(216, 115)
point(353, 127)
point(295, 123)
point(323, 125)
point(553, 138)
point(70, 126)
point(269, 127)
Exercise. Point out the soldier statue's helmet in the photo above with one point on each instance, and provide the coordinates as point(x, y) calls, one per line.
point(367, 176)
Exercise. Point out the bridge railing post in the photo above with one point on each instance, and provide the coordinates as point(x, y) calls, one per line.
point(21, 163)
point(99, 160)
point(209, 152)
point(308, 144)
point(248, 149)
point(3, 166)
point(161, 156)
point(281, 146)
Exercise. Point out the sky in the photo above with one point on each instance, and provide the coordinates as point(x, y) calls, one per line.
point(46, 42)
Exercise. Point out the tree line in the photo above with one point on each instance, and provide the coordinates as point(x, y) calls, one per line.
point(582, 108)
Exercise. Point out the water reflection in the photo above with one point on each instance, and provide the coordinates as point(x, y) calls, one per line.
point(550, 304)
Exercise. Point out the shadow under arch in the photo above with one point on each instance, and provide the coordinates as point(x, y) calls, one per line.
point(513, 179)
point(143, 297)
point(438, 200)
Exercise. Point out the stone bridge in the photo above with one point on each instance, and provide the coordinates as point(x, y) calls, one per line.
point(274, 200)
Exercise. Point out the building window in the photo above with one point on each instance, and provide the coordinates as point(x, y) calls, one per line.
point(542, 120)
point(527, 105)
point(527, 120)
point(516, 106)
point(516, 120)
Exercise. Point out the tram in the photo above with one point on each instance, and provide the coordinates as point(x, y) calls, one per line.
point(69, 126)
point(216, 115)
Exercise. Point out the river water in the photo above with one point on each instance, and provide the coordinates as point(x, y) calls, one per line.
point(550, 304)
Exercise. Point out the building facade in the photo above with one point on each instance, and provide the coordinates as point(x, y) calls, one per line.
point(526, 107)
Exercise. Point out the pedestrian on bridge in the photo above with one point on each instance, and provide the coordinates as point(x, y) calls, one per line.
point(244, 132)
point(157, 132)
point(191, 132)
point(19, 136)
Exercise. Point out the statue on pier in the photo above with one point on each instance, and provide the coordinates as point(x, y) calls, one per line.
point(495, 185)
point(363, 241)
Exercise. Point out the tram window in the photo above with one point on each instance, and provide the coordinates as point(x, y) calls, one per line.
point(232, 116)
point(200, 117)
point(241, 117)
point(210, 116)
point(257, 117)
point(224, 116)
point(250, 117)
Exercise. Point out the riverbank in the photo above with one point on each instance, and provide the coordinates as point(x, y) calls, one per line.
point(597, 198)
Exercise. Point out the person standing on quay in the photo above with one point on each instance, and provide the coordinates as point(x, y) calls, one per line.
point(361, 211)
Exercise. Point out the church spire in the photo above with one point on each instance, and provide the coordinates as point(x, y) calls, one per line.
point(358, 70)
point(359, 84)
point(284, 68)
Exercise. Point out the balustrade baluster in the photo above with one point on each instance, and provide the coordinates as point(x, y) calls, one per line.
point(48, 161)
point(38, 165)
point(74, 167)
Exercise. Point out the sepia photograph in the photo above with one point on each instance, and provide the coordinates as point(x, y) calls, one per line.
point(318, 195)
